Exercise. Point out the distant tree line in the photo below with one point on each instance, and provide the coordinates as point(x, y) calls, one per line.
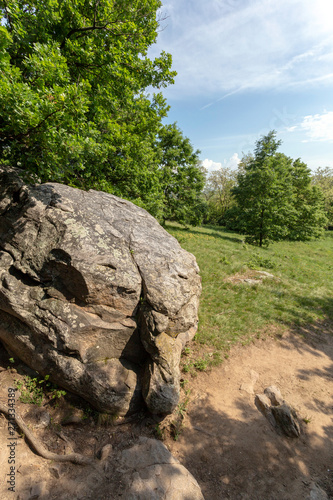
point(75, 109)
point(270, 197)
point(323, 178)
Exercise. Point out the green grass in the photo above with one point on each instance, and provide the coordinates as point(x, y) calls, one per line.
point(301, 292)
point(33, 390)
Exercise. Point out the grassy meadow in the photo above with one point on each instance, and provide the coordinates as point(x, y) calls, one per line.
point(300, 293)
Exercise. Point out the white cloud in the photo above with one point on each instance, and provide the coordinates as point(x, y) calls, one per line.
point(211, 165)
point(318, 127)
point(226, 47)
point(232, 163)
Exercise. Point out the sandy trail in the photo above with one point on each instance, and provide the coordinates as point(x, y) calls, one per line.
point(231, 448)
point(226, 443)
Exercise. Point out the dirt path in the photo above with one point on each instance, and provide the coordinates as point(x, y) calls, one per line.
point(225, 442)
point(231, 448)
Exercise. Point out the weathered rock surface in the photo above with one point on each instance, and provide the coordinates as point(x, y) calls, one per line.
point(274, 394)
point(317, 493)
point(286, 420)
point(95, 293)
point(152, 473)
point(279, 414)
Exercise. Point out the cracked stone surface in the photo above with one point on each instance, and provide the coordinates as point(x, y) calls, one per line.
point(152, 473)
point(95, 293)
point(280, 415)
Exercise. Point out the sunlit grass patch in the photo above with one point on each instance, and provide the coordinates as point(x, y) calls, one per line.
point(232, 310)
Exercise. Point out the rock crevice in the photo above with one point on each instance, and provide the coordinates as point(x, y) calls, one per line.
point(95, 293)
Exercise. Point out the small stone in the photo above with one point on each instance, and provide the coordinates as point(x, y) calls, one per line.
point(147, 452)
point(254, 376)
point(249, 386)
point(317, 493)
point(286, 420)
point(43, 420)
point(250, 281)
point(280, 415)
point(274, 395)
point(263, 404)
point(265, 274)
point(105, 452)
point(55, 471)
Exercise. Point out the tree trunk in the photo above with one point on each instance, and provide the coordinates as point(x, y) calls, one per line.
point(261, 227)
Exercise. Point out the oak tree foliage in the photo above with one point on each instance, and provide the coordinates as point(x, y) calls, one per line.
point(182, 177)
point(74, 106)
point(275, 198)
point(323, 179)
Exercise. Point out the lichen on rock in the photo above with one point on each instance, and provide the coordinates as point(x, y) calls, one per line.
point(95, 293)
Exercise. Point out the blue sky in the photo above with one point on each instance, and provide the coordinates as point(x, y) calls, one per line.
point(246, 67)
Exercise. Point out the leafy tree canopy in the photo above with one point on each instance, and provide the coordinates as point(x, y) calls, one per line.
point(275, 198)
point(182, 178)
point(74, 106)
point(323, 178)
point(218, 194)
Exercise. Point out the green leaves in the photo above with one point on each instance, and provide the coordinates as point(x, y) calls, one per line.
point(181, 177)
point(323, 179)
point(73, 100)
point(275, 199)
point(46, 66)
point(218, 193)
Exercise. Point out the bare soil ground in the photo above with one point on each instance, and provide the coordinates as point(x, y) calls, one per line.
point(225, 442)
point(230, 447)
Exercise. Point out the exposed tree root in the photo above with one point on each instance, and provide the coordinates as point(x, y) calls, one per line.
point(75, 458)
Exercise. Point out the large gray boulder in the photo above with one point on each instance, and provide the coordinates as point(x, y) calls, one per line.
point(95, 293)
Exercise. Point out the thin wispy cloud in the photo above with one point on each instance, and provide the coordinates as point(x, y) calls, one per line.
point(318, 127)
point(225, 96)
point(227, 47)
point(315, 128)
point(310, 81)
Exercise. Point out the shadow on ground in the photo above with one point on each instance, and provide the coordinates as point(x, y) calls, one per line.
point(214, 233)
point(235, 453)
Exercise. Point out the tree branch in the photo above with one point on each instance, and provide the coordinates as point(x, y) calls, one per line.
point(82, 30)
point(37, 126)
